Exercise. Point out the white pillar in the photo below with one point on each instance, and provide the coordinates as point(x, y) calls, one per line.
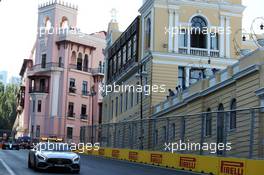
point(222, 37)
point(209, 43)
point(227, 37)
point(170, 40)
point(55, 79)
point(187, 73)
point(189, 40)
point(176, 33)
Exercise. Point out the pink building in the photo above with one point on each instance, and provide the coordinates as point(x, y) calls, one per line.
point(62, 82)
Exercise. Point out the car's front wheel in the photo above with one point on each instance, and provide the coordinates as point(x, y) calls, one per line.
point(34, 164)
point(29, 163)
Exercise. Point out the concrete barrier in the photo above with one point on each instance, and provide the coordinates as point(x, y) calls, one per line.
point(196, 163)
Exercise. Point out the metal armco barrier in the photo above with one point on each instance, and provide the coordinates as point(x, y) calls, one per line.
point(187, 162)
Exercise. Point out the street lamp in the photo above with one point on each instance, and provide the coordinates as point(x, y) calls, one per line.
point(140, 75)
point(259, 41)
point(261, 26)
point(237, 45)
point(244, 38)
point(92, 94)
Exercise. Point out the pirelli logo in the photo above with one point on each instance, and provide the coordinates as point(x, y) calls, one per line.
point(101, 152)
point(156, 158)
point(188, 162)
point(232, 168)
point(133, 156)
point(115, 153)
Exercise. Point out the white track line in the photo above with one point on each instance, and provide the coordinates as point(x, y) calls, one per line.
point(10, 171)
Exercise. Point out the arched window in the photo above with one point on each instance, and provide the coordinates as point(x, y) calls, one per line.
point(60, 62)
point(221, 107)
point(173, 136)
point(100, 66)
point(135, 132)
point(47, 23)
point(220, 126)
point(183, 128)
point(79, 62)
point(164, 130)
point(73, 58)
point(85, 63)
point(64, 23)
point(198, 38)
point(148, 34)
point(233, 114)
point(156, 137)
point(208, 123)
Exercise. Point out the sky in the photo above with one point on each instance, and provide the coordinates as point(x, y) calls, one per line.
point(18, 23)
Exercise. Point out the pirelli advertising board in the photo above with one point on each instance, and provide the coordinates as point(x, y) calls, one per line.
point(189, 163)
point(232, 168)
point(194, 163)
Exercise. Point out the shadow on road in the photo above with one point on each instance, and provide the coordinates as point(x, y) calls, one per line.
point(53, 171)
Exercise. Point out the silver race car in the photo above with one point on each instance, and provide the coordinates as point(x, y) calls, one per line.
point(53, 155)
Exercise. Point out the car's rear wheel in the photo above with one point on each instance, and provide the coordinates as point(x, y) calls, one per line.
point(76, 172)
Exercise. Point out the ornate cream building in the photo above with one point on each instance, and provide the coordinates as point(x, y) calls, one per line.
point(161, 47)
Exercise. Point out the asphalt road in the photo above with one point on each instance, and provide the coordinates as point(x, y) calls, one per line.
point(15, 163)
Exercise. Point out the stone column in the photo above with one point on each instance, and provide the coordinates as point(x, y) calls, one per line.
point(170, 40)
point(227, 37)
point(222, 37)
point(187, 78)
point(176, 33)
point(208, 44)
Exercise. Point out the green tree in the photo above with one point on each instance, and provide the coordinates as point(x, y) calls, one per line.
point(8, 96)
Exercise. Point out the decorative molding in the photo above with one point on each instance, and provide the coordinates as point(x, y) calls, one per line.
point(181, 59)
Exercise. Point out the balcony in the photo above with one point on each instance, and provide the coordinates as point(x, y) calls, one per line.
point(45, 67)
point(123, 70)
point(93, 71)
point(85, 93)
point(199, 52)
point(84, 116)
point(39, 90)
point(72, 90)
point(71, 115)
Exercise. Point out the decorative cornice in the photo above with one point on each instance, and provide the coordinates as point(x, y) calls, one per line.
point(234, 9)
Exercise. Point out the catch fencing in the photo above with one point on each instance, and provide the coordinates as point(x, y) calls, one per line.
point(237, 133)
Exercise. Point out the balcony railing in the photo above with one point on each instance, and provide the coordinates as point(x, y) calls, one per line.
point(85, 93)
point(130, 63)
point(84, 116)
point(99, 70)
point(199, 52)
point(46, 66)
point(38, 89)
point(72, 90)
point(71, 115)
